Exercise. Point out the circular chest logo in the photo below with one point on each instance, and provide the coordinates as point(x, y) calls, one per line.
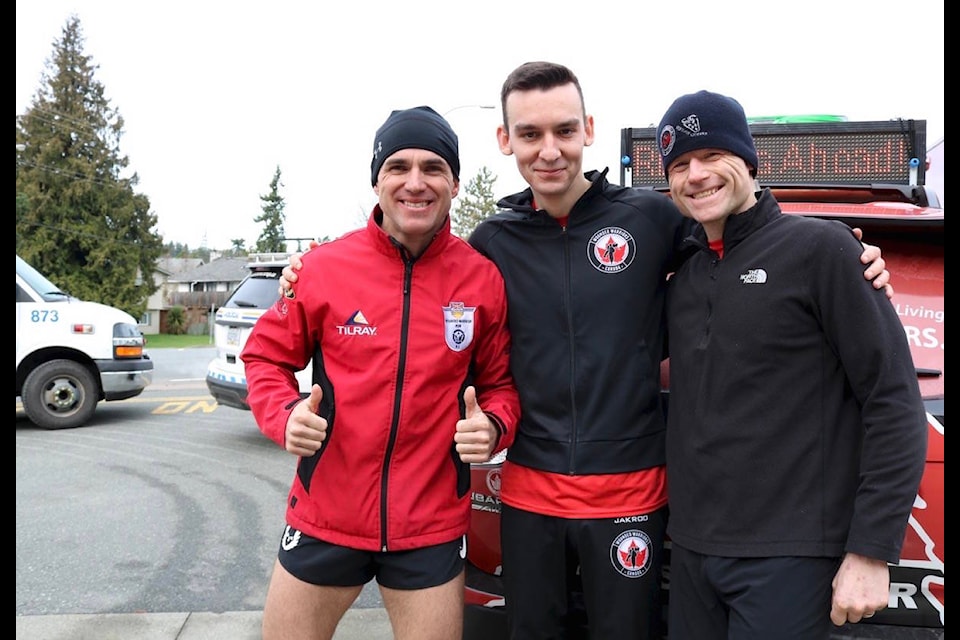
point(631, 553)
point(611, 250)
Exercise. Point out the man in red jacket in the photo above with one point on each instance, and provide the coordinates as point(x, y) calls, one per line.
point(406, 325)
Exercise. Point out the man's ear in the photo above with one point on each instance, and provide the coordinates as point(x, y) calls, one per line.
point(588, 131)
point(503, 139)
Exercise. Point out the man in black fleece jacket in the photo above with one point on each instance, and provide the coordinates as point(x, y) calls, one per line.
point(796, 434)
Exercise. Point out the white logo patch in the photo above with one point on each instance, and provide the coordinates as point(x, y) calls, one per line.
point(458, 325)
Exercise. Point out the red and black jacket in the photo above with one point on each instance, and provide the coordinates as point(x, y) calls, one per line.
point(394, 340)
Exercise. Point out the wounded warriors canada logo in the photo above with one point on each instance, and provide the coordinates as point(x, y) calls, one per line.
point(611, 250)
point(631, 553)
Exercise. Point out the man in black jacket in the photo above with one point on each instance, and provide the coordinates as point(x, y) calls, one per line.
point(797, 435)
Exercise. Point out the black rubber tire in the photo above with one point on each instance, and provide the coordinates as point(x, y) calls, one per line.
point(60, 394)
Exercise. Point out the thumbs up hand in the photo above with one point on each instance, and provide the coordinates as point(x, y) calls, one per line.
point(306, 430)
point(476, 435)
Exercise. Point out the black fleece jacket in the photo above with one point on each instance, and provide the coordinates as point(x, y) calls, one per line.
point(796, 426)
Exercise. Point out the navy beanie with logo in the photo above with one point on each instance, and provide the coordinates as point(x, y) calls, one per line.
point(705, 120)
point(416, 128)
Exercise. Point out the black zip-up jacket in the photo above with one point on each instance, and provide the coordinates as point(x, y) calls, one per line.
point(796, 425)
point(585, 305)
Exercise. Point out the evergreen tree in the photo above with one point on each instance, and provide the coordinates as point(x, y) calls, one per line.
point(272, 239)
point(79, 220)
point(176, 250)
point(474, 204)
point(181, 250)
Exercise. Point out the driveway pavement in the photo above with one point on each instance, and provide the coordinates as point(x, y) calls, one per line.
point(357, 624)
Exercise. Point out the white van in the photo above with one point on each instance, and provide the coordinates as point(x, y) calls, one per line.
point(71, 354)
point(257, 292)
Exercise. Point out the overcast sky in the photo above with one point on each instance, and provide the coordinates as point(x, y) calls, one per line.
point(216, 95)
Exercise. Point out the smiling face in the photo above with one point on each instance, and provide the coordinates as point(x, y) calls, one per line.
point(709, 185)
point(546, 132)
point(416, 188)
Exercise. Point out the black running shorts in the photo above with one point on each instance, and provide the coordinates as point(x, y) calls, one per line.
point(322, 563)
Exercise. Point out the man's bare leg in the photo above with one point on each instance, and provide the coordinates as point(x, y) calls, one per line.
point(426, 614)
point(298, 610)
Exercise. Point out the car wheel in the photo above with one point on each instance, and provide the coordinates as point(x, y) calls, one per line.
point(60, 394)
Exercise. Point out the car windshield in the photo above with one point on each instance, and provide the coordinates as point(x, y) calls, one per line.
point(258, 291)
point(47, 290)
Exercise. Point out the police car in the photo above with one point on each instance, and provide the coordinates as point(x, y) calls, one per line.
point(256, 293)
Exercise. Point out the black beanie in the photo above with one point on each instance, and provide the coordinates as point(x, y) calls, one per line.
point(417, 128)
point(705, 120)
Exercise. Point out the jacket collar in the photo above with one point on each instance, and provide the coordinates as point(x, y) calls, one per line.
point(522, 201)
point(387, 245)
point(740, 226)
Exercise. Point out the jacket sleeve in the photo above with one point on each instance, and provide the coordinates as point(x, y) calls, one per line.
point(279, 345)
point(863, 327)
point(496, 392)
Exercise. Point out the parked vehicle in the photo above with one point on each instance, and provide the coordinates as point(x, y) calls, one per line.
point(256, 293)
point(71, 353)
point(867, 175)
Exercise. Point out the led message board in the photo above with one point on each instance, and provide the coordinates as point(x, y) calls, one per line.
point(882, 152)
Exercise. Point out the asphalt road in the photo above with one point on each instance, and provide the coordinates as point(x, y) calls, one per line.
point(162, 503)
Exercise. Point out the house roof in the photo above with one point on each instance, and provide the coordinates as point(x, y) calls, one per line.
point(170, 266)
point(219, 270)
